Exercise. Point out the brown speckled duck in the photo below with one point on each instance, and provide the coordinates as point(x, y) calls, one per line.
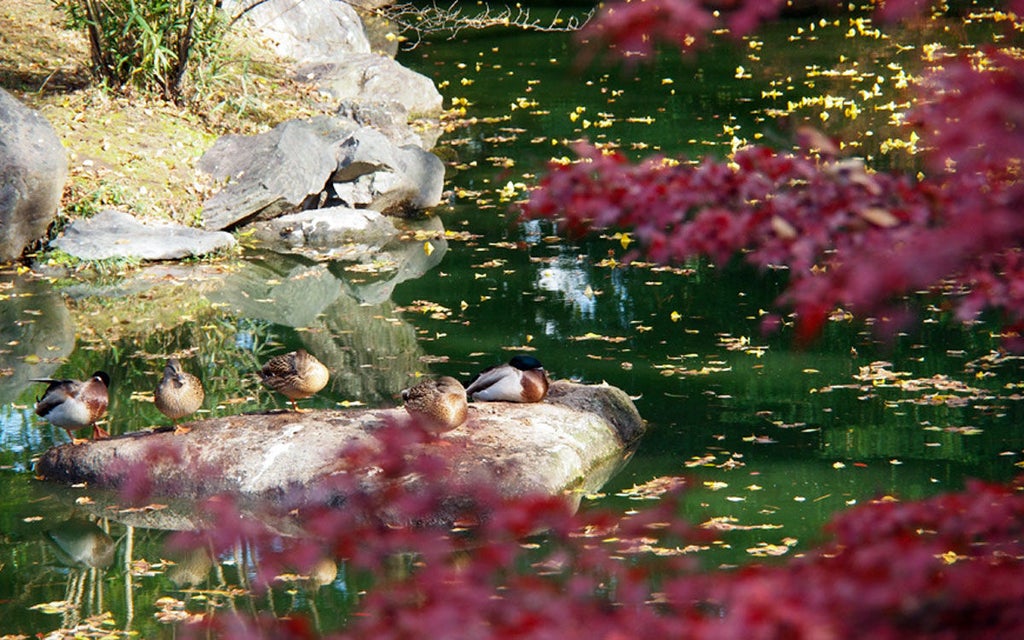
point(523, 379)
point(179, 394)
point(73, 405)
point(439, 404)
point(295, 375)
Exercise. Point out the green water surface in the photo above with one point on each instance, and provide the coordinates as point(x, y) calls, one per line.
point(773, 439)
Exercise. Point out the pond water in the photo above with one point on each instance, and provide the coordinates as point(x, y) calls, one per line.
point(772, 438)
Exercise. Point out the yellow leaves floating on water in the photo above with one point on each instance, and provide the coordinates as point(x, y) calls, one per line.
point(765, 550)
point(909, 145)
point(501, 244)
point(597, 336)
point(523, 103)
point(501, 161)
point(376, 266)
point(711, 460)
point(673, 370)
point(426, 307)
point(950, 557)
point(518, 347)
point(964, 431)
point(741, 343)
point(936, 390)
point(511, 190)
point(729, 523)
point(490, 264)
point(862, 26)
point(421, 235)
point(645, 545)
point(653, 489)
point(172, 611)
point(934, 51)
point(502, 139)
point(56, 606)
point(878, 372)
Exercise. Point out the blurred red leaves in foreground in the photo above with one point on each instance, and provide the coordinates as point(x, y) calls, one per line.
point(850, 237)
point(529, 567)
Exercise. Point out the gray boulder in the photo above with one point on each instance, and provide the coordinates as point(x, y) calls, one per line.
point(305, 30)
point(33, 167)
point(115, 234)
point(391, 119)
point(373, 78)
point(565, 446)
point(336, 233)
point(374, 172)
point(328, 38)
point(291, 168)
point(269, 173)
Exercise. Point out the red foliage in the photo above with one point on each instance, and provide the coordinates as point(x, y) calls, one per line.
point(947, 567)
point(851, 238)
point(950, 566)
point(634, 28)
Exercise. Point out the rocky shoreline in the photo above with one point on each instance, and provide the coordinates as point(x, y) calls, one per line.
point(336, 177)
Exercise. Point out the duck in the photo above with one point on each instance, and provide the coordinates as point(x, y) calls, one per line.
point(179, 394)
point(74, 404)
point(522, 379)
point(295, 375)
point(439, 404)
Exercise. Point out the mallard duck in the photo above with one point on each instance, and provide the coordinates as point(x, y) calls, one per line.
point(295, 375)
point(179, 393)
point(523, 379)
point(439, 404)
point(73, 405)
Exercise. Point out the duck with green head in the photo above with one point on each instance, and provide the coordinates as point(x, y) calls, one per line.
point(74, 404)
point(522, 379)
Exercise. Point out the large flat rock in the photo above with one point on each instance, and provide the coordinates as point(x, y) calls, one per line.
point(572, 441)
point(116, 234)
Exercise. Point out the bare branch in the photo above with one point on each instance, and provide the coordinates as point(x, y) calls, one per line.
point(419, 21)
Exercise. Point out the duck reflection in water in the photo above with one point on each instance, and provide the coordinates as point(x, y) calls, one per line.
point(80, 544)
